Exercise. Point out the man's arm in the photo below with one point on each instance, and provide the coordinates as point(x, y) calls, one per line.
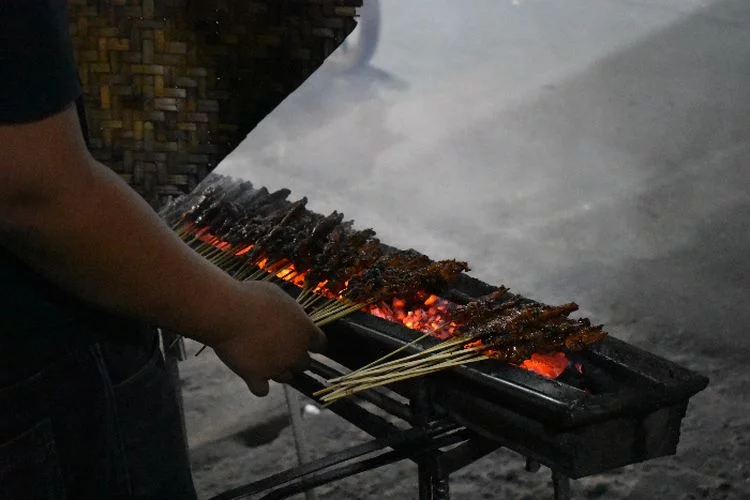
point(76, 222)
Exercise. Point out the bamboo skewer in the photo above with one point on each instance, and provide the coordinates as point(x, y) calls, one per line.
point(331, 310)
point(181, 228)
point(332, 398)
point(329, 304)
point(412, 360)
point(411, 365)
point(354, 390)
point(228, 257)
point(242, 272)
point(336, 317)
point(417, 358)
point(201, 246)
point(429, 351)
point(396, 351)
point(314, 299)
point(338, 312)
point(383, 358)
point(452, 359)
point(314, 304)
point(312, 296)
point(439, 360)
point(306, 290)
point(332, 304)
point(256, 275)
point(328, 308)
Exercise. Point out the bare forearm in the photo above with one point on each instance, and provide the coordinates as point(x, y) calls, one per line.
point(79, 224)
point(103, 243)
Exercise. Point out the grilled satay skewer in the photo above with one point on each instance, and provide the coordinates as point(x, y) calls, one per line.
point(511, 337)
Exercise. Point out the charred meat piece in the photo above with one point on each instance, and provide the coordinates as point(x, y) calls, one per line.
point(275, 236)
point(311, 248)
point(481, 309)
point(514, 334)
point(407, 259)
point(239, 191)
point(257, 199)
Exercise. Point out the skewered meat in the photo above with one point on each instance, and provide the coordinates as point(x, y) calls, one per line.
point(516, 333)
point(276, 238)
point(262, 227)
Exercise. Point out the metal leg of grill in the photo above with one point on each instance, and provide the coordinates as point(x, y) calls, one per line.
point(434, 484)
point(300, 442)
point(562, 486)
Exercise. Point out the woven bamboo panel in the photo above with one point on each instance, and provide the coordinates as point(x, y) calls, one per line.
point(173, 86)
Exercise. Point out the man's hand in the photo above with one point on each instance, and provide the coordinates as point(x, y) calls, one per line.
point(271, 344)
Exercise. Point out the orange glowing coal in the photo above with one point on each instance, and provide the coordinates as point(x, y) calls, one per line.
point(429, 315)
point(548, 365)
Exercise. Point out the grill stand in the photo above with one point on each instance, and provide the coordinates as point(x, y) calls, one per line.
point(421, 443)
point(562, 486)
point(434, 484)
point(300, 442)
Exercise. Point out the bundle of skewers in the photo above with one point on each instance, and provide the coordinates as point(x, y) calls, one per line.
point(336, 270)
point(498, 326)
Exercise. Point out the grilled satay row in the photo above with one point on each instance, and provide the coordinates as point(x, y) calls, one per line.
point(323, 249)
point(326, 249)
point(510, 330)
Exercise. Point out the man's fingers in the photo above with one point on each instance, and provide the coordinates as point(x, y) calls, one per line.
point(258, 387)
point(317, 340)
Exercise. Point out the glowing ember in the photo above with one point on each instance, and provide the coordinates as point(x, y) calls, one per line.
point(548, 365)
point(244, 250)
point(431, 315)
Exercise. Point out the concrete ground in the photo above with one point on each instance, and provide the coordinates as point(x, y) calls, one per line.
point(570, 149)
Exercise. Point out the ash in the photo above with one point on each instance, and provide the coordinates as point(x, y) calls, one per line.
point(572, 150)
